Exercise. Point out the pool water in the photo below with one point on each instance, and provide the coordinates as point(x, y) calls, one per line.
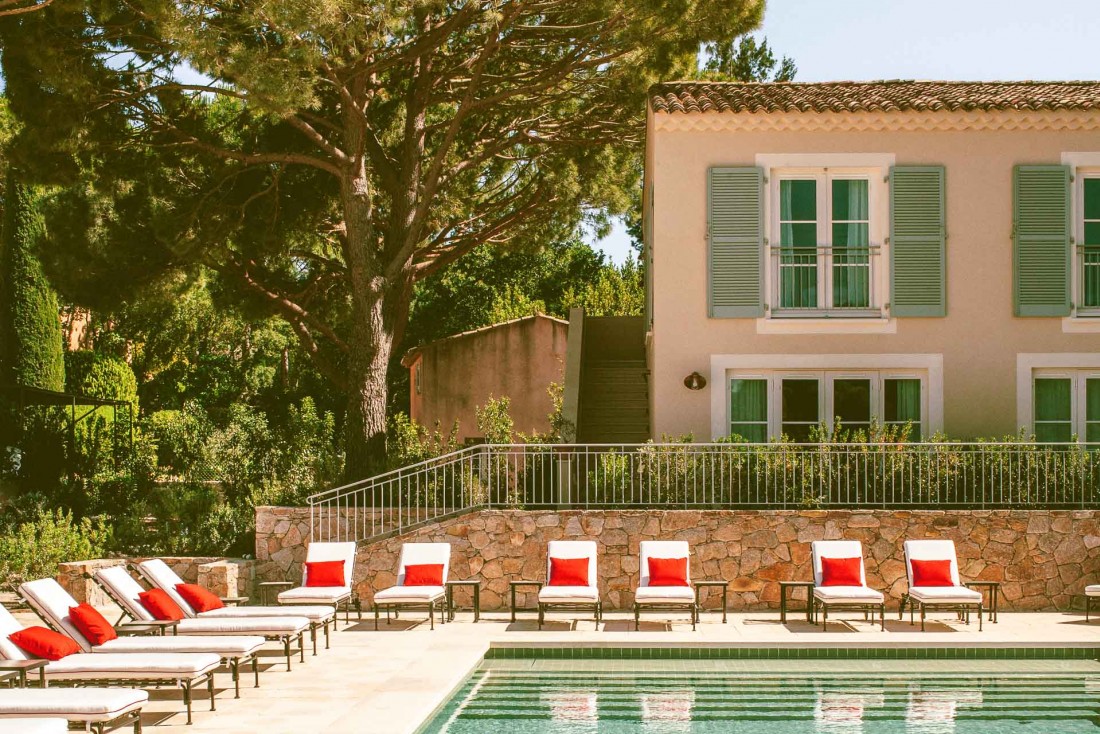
point(651, 701)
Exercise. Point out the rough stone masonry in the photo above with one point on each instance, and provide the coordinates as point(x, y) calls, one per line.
point(1044, 559)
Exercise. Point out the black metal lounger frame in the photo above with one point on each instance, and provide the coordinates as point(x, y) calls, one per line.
point(666, 606)
point(953, 606)
point(596, 607)
point(867, 607)
point(347, 600)
point(283, 640)
point(233, 663)
point(431, 605)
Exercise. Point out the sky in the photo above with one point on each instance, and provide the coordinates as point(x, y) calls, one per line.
point(834, 40)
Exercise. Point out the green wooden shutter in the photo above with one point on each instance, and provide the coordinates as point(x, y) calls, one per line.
point(735, 231)
point(1040, 233)
point(918, 286)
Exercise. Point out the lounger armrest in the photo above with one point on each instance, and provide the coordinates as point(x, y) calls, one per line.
point(234, 601)
point(23, 667)
point(156, 627)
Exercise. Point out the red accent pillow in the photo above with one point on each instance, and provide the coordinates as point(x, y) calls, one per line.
point(93, 625)
point(841, 572)
point(931, 573)
point(668, 572)
point(424, 574)
point(160, 605)
point(325, 573)
point(199, 598)
point(568, 572)
point(40, 642)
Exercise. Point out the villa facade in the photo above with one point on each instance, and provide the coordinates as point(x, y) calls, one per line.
point(920, 253)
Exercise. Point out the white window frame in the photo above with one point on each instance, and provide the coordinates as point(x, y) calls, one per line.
point(826, 379)
point(1081, 365)
point(1078, 395)
point(891, 365)
point(1082, 164)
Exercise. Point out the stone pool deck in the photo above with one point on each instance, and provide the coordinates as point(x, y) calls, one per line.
point(389, 681)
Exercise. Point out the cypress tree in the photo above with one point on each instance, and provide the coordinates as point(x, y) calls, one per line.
point(31, 350)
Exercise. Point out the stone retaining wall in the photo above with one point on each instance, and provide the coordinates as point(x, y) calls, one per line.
point(1043, 558)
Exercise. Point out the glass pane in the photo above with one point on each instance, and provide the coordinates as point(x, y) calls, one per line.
point(752, 432)
point(1092, 200)
point(1090, 276)
point(901, 405)
point(850, 234)
point(800, 408)
point(798, 281)
point(1053, 432)
point(1092, 400)
point(851, 275)
point(798, 235)
point(852, 402)
point(1092, 233)
point(798, 200)
point(1092, 432)
point(748, 400)
point(850, 200)
point(1052, 399)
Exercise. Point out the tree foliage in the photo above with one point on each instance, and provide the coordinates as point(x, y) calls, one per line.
point(341, 154)
point(746, 60)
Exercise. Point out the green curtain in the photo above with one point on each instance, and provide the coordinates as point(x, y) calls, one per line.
point(851, 236)
point(1090, 276)
point(1053, 410)
point(798, 243)
point(749, 409)
point(902, 405)
point(1092, 411)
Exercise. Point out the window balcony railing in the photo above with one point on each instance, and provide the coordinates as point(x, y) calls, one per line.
point(827, 279)
point(1088, 268)
point(714, 476)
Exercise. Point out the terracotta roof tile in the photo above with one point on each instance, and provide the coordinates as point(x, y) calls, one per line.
point(882, 96)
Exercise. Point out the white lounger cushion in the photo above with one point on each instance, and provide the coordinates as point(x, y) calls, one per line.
point(664, 595)
point(410, 594)
point(316, 615)
point(853, 594)
point(568, 594)
point(264, 626)
point(73, 704)
point(133, 666)
point(945, 595)
point(1092, 590)
point(160, 575)
point(32, 726)
point(223, 645)
point(315, 595)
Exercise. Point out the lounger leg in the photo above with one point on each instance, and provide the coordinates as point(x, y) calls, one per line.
point(358, 609)
point(637, 616)
point(901, 606)
point(912, 605)
point(376, 616)
point(694, 616)
point(313, 637)
point(235, 668)
point(137, 723)
point(286, 650)
point(187, 699)
point(542, 614)
point(980, 612)
point(882, 616)
point(302, 646)
point(326, 635)
point(922, 616)
point(431, 614)
point(824, 616)
point(210, 689)
point(256, 669)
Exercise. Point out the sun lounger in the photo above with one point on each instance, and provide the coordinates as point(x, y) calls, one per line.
point(571, 586)
point(52, 603)
point(932, 569)
point(336, 595)
point(1092, 592)
point(840, 581)
point(283, 630)
point(186, 670)
point(662, 592)
point(421, 582)
point(23, 709)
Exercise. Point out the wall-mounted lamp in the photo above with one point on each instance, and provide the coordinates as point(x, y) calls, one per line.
point(695, 381)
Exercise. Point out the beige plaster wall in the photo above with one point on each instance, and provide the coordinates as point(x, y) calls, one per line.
point(979, 339)
point(519, 360)
point(1044, 559)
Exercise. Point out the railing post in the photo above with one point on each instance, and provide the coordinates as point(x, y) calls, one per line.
point(564, 483)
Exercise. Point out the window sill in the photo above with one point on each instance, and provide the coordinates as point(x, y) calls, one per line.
point(1081, 324)
point(794, 324)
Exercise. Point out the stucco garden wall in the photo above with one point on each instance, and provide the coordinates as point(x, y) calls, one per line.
point(1043, 558)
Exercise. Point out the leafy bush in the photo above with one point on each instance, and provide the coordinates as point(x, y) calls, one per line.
point(180, 437)
point(34, 548)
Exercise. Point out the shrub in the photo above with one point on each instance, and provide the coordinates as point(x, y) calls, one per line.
point(36, 546)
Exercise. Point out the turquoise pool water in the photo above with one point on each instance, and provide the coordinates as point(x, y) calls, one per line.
point(648, 700)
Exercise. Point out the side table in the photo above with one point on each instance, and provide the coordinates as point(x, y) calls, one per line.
point(785, 588)
point(537, 585)
point(266, 587)
point(713, 584)
point(993, 589)
point(476, 586)
point(22, 667)
point(154, 627)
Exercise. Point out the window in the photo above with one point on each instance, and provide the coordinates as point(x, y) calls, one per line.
point(824, 248)
point(1066, 406)
point(771, 403)
point(1088, 245)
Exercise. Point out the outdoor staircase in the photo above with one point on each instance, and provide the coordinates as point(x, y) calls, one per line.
point(613, 405)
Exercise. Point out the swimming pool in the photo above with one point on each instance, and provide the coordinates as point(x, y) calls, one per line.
point(763, 697)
